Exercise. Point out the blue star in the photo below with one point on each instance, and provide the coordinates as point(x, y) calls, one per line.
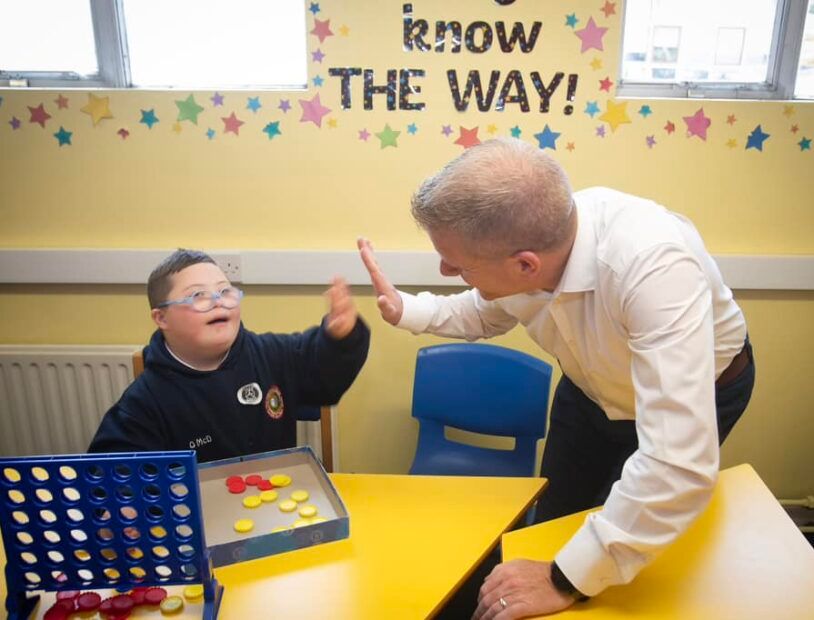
point(547, 138)
point(516, 132)
point(318, 81)
point(571, 20)
point(148, 118)
point(645, 111)
point(412, 129)
point(805, 144)
point(756, 139)
point(314, 8)
point(63, 136)
point(592, 108)
point(272, 129)
point(254, 104)
point(210, 133)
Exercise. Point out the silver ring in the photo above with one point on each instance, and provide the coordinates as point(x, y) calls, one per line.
point(503, 602)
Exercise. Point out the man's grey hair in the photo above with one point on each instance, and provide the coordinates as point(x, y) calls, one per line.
point(499, 197)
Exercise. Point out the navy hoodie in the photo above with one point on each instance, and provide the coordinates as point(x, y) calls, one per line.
point(245, 406)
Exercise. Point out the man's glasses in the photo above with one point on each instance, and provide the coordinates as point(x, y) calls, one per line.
point(204, 301)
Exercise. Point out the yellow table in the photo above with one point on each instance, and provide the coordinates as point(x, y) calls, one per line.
point(413, 540)
point(743, 558)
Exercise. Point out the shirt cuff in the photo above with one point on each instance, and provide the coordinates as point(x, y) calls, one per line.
point(586, 563)
point(416, 314)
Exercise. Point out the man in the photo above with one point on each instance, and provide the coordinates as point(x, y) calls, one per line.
point(656, 363)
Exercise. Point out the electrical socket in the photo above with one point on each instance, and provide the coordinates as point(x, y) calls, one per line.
point(230, 264)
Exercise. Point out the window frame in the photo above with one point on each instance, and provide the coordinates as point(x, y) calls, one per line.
point(784, 59)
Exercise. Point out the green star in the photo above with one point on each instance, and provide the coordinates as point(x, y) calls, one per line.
point(188, 110)
point(388, 137)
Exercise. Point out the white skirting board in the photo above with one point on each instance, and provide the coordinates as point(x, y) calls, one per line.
point(317, 267)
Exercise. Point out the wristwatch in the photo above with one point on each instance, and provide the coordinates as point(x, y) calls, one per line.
point(564, 585)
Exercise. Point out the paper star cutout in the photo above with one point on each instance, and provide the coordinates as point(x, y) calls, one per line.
point(596, 63)
point(491, 129)
point(149, 118)
point(188, 110)
point(446, 130)
point(605, 84)
point(570, 146)
point(547, 139)
point(591, 36)
point(176, 127)
point(388, 137)
point(805, 144)
point(364, 135)
point(63, 136)
point(615, 115)
point(591, 108)
point(467, 138)
point(651, 141)
point(272, 129)
point(794, 129)
point(318, 81)
point(670, 127)
point(231, 124)
point(344, 30)
point(600, 131)
point(609, 8)
point(730, 119)
point(38, 115)
point(322, 29)
point(788, 111)
point(97, 107)
point(756, 139)
point(314, 8)
point(217, 99)
point(571, 20)
point(645, 111)
point(332, 123)
point(123, 133)
point(62, 102)
point(285, 105)
point(697, 124)
point(210, 133)
point(14, 122)
point(317, 56)
point(516, 132)
point(253, 104)
point(731, 143)
point(313, 111)
point(412, 129)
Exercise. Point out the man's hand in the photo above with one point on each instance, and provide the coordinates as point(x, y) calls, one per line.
point(342, 311)
point(387, 298)
point(526, 589)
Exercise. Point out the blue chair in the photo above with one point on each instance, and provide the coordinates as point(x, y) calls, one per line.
point(484, 389)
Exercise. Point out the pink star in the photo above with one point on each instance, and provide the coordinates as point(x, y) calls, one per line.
point(38, 115)
point(468, 137)
point(697, 124)
point(605, 84)
point(670, 127)
point(322, 29)
point(123, 133)
point(313, 110)
point(62, 102)
point(731, 119)
point(609, 8)
point(591, 36)
point(364, 134)
point(231, 123)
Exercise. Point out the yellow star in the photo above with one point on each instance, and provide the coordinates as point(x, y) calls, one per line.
point(332, 123)
point(491, 129)
point(98, 108)
point(615, 115)
point(788, 110)
point(732, 143)
point(596, 63)
point(344, 30)
point(176, 127)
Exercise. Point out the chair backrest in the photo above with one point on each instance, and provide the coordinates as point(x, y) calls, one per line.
point(484, 389)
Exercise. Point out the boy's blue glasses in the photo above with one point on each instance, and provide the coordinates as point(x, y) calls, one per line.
point(204, 301)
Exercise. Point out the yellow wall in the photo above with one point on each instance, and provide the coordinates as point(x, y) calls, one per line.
point(320, 187)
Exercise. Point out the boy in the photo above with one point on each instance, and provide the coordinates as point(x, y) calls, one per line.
point(211, 385)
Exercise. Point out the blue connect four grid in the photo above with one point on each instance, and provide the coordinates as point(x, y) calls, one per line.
point(103, 521)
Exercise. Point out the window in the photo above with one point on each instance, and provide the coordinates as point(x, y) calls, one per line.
point(190, 44)
point(720, 48)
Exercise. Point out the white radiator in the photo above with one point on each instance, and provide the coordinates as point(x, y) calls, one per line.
point(52, 397)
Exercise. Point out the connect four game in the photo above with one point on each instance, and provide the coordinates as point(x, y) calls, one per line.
point(103, 521)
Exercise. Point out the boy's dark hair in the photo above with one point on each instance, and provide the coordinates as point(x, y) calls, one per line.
point(159, 282)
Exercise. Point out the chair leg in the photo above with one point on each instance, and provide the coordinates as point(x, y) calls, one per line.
point(327, 439)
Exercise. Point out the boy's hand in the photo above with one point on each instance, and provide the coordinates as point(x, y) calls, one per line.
point(387, 298)
point(342, 312)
